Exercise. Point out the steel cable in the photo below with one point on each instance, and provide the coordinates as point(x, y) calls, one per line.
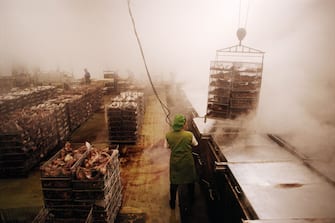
point(164, 106)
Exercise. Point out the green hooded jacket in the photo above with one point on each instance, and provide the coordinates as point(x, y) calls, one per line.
point(182, 168)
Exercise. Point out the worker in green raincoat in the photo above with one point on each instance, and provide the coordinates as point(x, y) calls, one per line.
point(182, 168)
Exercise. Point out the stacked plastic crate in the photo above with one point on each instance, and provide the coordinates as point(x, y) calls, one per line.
point(138, 97)
point(27, 136)
point(76, 108)
point(124, 116)
point(56, 180)
point(15, 149)
point(81, 102)
point(97, 184)
point(61, 115)
point(94, 97)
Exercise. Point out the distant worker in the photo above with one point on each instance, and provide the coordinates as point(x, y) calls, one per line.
point(87, 76)
point(182, 168)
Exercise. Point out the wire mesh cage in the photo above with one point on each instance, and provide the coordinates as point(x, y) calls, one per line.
point(235, 80)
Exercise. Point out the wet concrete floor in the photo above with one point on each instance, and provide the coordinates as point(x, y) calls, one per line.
point(145, 172)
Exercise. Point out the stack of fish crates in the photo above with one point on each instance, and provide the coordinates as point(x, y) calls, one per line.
point(27, 136)
point(94, 97)
point(61, 115)
point(77, 110)
point(15, 150)
point(44, 216)
point(124, 117)
point(98, 186)
point(25, 98)
point(137, 97)
point(56, 181)
point(41, 122)
point(81, 103)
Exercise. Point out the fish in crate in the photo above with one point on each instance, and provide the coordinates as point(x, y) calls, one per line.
point(93, 176)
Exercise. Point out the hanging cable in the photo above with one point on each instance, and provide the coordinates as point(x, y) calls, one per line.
point(246, 17)
point(239, 15)
point(241, 23)
point(164, 107)
point(241, 31)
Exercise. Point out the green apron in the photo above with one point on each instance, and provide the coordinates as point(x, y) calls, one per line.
point(182, 169)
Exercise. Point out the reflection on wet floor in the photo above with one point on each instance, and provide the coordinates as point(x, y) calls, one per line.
point(145, 172)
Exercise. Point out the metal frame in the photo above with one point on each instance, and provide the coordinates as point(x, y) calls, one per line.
point(241, 51)
point(239, 54)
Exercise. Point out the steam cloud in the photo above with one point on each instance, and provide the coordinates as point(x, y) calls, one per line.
point(297, 97)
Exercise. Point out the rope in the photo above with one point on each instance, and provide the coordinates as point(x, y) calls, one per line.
point(164, 107)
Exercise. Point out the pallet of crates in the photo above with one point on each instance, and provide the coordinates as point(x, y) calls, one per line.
point(44, 216)
point(69, 111)
point(61, 118)
point(130, 117)
point(62, 122)
point(39, 134)
point(76, 110)
point(117, 120)
point(56, 180)
point(114, 121)
point(11, 156)
point(15, 149)
point(40, 121)
point(140, 108)
point(97, 183)
point(9, 103)
point(95, 97)
point(3, 107)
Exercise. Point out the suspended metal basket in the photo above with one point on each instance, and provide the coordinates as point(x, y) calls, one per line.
point(235, 81)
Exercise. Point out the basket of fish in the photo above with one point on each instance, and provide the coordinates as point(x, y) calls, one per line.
point(56, 176)
point(96, 169)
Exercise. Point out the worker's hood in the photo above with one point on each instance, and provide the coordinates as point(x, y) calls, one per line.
point(178, 122)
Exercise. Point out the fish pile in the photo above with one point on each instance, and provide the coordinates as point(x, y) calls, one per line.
point(94, 165)
point(63, 161)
